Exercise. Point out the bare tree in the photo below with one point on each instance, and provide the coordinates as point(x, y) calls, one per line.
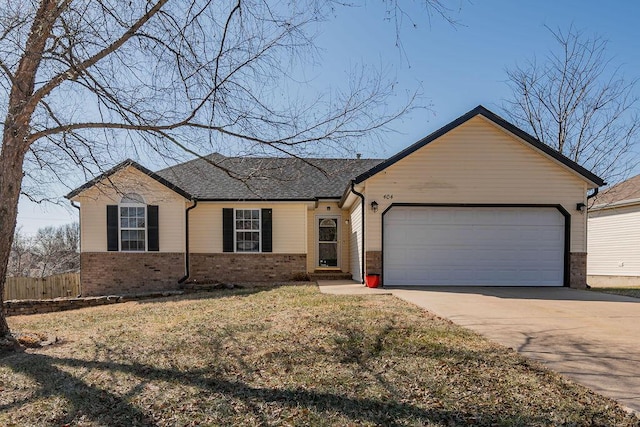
point(56, 250)
point(20, 259)
point(577, 102)
point(53, 250)
point(90, 81)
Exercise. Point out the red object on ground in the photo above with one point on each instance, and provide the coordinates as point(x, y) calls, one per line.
point(372, 280)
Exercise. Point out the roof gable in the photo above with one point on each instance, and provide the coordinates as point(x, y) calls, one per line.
point(121, 166)
point(497, 120)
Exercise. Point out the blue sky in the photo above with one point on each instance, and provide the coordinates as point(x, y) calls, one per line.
point(456, 68)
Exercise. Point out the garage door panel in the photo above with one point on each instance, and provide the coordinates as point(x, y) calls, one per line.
point(473, 246)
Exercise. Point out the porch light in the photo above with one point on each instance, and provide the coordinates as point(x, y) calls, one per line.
point(580, 207)
point(374, 206)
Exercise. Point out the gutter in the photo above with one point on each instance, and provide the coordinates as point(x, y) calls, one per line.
point(594, 194)
point(186, 243)
point(79, 242)
point(363, 228)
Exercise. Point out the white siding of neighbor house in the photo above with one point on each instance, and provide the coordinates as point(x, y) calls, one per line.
point(614, 242)
point(356, 240)
point(312, 234)
point(94, 201)
point(477, 162)
point(288, 224)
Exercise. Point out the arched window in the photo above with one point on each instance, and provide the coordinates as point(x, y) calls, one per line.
point(132, 198)
point(133, 223)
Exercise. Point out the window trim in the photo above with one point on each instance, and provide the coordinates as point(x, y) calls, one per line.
point(120, 229)
point(236, 230)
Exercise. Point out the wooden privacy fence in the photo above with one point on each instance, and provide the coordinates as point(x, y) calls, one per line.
point(60, 285)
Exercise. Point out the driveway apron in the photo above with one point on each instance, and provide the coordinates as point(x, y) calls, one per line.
point(591, 337)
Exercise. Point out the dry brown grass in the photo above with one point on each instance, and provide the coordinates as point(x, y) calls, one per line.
point(285, 356)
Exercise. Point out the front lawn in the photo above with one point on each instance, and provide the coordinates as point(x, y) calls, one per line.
point(285, 356)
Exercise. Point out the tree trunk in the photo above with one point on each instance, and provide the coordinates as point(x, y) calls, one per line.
point(11, 159)
point(15, 138)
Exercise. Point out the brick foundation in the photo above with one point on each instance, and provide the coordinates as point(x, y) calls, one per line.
point(578, 270)
point(232, 267)
point(373, 261)
point(107, 273)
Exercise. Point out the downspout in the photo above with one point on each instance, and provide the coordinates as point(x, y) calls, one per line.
point(363, 229)
point(79, 242)
point(186, 242)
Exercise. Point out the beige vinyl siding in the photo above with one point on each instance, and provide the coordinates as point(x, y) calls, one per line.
point(356, 240)
point(614, 242)
point(311, 240)
point(476, 162)
point(205, 228)
point(312, 234)
point(94, 201)
point(288, 225)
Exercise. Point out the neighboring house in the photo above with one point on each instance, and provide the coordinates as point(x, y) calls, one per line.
point(614, 235)
point(478, 202)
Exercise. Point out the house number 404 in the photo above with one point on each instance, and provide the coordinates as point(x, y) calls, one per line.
point(387, 196)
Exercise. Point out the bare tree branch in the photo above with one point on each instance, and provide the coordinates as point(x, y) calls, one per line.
point(577, 103)
point(91, 82)
point(79, 68)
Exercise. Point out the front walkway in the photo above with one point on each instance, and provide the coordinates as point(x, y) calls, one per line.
point(591, 337)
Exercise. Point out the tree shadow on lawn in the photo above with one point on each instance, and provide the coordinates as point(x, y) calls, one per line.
point(89, 401)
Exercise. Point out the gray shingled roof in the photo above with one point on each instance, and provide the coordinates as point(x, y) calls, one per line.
point(269, 178)
point(622, 192)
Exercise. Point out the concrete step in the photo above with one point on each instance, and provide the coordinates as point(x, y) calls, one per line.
point(329, 275)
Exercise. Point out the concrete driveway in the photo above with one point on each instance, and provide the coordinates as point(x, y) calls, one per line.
point(591, 337)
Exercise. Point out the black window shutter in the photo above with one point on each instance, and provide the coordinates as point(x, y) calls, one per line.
point(267, 234)
point(112, 227)
point(153, 232)
point(227, 230)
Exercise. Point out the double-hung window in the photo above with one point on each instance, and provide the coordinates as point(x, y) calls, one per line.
point(132, 225)
point(247, 230)
point(133, 231)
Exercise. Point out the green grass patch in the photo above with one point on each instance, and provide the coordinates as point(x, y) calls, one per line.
point(285, 356)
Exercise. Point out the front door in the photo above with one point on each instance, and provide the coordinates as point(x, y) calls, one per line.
point(328, 242)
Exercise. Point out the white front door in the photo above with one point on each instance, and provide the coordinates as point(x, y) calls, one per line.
point(327, 229)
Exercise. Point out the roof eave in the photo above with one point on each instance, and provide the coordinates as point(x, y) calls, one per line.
point(231, 199)
point(345, 194)
point(613, 205)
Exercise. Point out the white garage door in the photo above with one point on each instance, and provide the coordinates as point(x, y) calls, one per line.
point(473, 246)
